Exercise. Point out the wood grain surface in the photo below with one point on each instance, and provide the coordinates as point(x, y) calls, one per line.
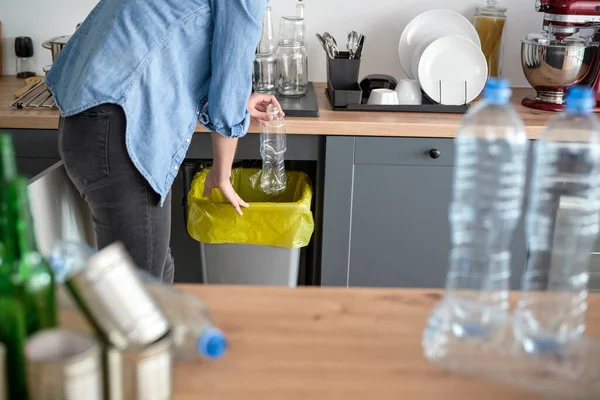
point(329, 343)
point(329, 123)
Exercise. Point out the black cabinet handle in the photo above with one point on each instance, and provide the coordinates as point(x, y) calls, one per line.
point(434, 153)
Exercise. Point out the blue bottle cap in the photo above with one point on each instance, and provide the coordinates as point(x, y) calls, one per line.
point(497, 91)
point(212, 343)
point(580, 100)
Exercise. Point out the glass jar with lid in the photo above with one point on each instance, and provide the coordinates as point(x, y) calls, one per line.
point(489, 21)
point(292, 57)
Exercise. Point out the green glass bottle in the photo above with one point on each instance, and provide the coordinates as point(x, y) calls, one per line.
point(8, 172)
point(12, 332)
point(32, 275)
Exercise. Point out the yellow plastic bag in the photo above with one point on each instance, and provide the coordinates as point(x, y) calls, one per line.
point(283, 221)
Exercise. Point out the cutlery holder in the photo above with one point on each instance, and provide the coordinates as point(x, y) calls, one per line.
point(342, 71)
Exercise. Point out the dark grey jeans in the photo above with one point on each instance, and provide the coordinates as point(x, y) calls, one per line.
point(124, 206)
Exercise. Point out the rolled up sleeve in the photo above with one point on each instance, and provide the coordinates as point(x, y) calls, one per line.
point(237, 29)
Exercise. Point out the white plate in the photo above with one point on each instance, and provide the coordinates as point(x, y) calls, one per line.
point(453, 61)
point(429, 26)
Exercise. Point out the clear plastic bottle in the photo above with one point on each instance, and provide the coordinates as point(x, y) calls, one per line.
point(562, 227)
point(192, 329)
point(489, 176)
point(273, 146)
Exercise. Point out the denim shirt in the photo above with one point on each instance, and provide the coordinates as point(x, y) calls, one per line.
point(169, 64)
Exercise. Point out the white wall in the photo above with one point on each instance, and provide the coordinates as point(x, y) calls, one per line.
point(381, 21)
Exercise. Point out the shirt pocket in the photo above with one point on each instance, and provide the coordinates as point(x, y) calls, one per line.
point(83, 146)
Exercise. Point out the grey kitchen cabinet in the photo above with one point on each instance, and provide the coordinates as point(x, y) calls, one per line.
point(385, 221)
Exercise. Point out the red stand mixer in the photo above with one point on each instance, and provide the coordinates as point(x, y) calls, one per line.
point(565, 54)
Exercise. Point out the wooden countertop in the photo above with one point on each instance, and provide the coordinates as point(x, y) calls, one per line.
point(329, 123)
point(329, 343)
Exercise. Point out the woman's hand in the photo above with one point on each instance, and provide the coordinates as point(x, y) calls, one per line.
point(257, 105)
point(216, 180)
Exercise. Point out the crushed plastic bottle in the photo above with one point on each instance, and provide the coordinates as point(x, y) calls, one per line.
point(193, 332)
point(489, 177)
point(562, 226)
point(273, 146)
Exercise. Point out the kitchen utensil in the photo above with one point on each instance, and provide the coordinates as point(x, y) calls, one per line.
point(115, 300)
point(322, 42)
point(383, 97)
point(352, 43)
point(29, 83)
point(63, 365)
point(25, 61)
point(143, 374)
point(327, 35)
point(564, 55)
point(56, 44)
point(361, 45)
point(376, 81)
point(489, 23)
point(430, 26)
point(453, 70)
point(553, 66)
point(409, 92)
point(37, 97)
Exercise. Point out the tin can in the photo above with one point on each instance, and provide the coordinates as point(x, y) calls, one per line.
point(141, 374)
point(3, 379)
point(112, 296)
point(62, 364)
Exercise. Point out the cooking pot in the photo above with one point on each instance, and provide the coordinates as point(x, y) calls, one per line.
point(56, 45)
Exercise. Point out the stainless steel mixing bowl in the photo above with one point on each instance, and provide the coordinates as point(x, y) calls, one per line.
point(552, 66)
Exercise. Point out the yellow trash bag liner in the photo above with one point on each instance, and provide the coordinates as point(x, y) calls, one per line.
point(284, 220)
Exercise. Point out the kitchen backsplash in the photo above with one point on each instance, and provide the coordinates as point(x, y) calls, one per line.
point(381, 21)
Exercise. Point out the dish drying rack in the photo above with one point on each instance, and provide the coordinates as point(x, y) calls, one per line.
point(428, 105)
point(38, 97)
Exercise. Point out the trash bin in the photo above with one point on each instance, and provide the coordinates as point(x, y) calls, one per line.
point(261, 247)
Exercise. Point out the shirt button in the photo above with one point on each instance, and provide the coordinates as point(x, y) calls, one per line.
point(187, 140)
point(176, 168)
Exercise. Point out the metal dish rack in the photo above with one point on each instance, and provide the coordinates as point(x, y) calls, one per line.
point(38, 97)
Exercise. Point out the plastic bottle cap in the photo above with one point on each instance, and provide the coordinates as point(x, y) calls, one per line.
point(212, 343)
point(497, 91)
point(580, 100)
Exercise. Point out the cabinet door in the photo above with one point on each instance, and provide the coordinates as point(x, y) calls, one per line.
point(385, 221)
point(400, 229)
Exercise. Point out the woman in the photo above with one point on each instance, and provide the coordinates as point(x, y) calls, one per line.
point(132, 84)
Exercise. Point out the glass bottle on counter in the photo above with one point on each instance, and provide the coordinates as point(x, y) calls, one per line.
point(32, 275)
point(12, 331)
point(265, 60)
point(8, 172)
point(273, 146)
point(489, 23)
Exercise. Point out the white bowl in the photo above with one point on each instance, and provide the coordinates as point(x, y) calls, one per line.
point(382, 97)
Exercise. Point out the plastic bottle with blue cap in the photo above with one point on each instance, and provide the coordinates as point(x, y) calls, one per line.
point(193, 332)
point(489, 178)
point(562, 226)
